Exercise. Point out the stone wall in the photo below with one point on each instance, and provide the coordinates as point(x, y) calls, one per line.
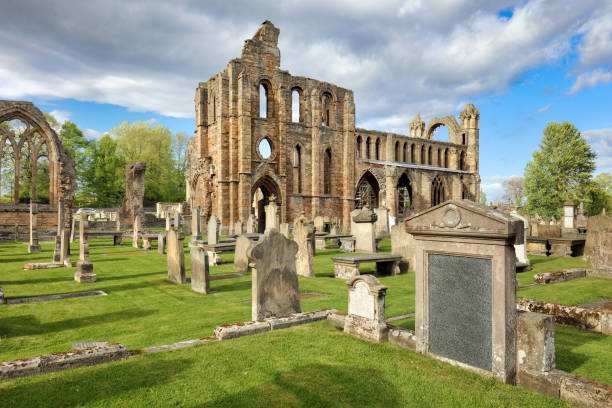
point(11, 214)
point(598, 246)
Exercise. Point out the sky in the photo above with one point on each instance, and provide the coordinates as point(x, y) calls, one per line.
point(522, 63)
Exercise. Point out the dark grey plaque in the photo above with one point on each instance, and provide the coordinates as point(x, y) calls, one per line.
point(460, 309)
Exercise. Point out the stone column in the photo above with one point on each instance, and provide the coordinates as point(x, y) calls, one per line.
point(303, 233)
point(57, 252)
point(391, 190)
point(136, 234)
point(33, 247)
point(196, 227)
point(167, 222)
point(272, 215)
point(84, 272)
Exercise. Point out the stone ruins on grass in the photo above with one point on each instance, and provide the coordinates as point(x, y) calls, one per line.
point(84, 272)
point(275, 287)
point(134, 194)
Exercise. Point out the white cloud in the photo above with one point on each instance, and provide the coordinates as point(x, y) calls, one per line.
point(590, 79)
point(601, 142)
point(545, 108)
point(61, 115)
point(92, 134)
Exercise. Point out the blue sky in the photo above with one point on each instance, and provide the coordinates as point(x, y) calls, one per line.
point(523, 63)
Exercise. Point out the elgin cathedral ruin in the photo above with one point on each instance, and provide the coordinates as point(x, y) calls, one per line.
point(262, 132)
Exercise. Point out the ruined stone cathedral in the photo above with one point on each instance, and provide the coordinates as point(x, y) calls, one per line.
point(262, 132)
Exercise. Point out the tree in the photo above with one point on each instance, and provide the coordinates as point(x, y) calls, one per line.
point(79, 148)
point(560, 170)
point(483, 198)
point(104, 176)
point(513, 190)
point(598, 195)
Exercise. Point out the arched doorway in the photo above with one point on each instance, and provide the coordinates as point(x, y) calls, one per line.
point(404, 196)
point(261, 192)
point(367, 191)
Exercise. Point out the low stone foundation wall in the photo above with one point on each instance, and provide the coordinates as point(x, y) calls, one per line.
point(559, 276)
point(596, 320)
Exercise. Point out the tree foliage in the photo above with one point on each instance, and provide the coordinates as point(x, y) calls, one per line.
point(514, 190)
point(105, 175)
point(561, 169)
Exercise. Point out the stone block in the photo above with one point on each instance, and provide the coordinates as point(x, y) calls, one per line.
point(402, 337)
point(535, 346)
point(84, 272)
point(402, 243)
point(176, 256)
point(241, 260)
point(233, 331)
point(200, 280)
point(585, 392)
point(559, 276)
point(337, 319)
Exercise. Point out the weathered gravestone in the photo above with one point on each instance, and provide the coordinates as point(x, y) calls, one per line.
point(272, 215)
point(402, 243)
point(598, 246)
point(303, 232)
point(381, 226)
point(200, 280)
point(251, 227)
point(363, 229)
point(196, 225)
point(168, 221)
point(34, 246)
point(136, 232)
point(161, 243)
point(134, 194)
point(522, 262)
point(239, 228)
point(284, 229)
point(176, 255)
point(214, 226)
point(366, 308)
point(241, 259)
point(275, 288)
point(569, 218)
point(319, 223)
point(84, 272)
point(466, 286)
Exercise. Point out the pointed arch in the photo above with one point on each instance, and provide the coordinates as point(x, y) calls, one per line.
point(367, 191)
point(404, 196)
point(327, 171)
point(397, 151)
point(297, 168)
point(359, 148)
point(438, 191)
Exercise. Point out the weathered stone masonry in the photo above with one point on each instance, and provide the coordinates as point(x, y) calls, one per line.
point(318, 160)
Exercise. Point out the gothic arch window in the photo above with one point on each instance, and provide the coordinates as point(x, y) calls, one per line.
point(266, 100)
point(367, 152)
point(214, 108)
point(367, 191)
point(462, 161)
point(429, 156)
point(404, 152)
point(359, 146)
point(445, 157)
point(397, 151)
point(327, 169)
point(297, 166)
point(326, 109)
point(423, 154)
point(439, 158)
point(296, 105)
point(412, 153)
point(438, 191)
point(377, 149)
point(463, 138)
point(404, 196)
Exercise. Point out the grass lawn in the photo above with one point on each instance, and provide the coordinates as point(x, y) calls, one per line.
point(143, 309)
point(307, 366)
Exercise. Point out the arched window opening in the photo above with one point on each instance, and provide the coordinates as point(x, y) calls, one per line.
point(367, 148)
point(397, 151)
point(423, 154)
point(439, 163)
point(263, 100)
point(445, 157)
point(404, 152)
point(327, 166)
point(462, 161)
point(463, 138)
point(441, 133)
point(438, 192)
point(359, 146)
point(297, 166)
point(214, 109)
point(367, 192)
point(404, 196)
point(377, 149)
point(429, 156)
point(326, 101)
point(412, 153)
point(296, 107)
point(265, 148)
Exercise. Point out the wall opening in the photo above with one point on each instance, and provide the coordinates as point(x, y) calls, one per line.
point(404, 196)
point(296, 105)
point(438, 192)
point(327, 170)
point(367, 191)
point(263, 100)
point(265, 148)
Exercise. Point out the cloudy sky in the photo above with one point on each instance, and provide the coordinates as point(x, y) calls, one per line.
point(523, 63)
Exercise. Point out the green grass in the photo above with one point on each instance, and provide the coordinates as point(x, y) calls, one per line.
point(547, 264)
point(574, 292)
point(307, 366)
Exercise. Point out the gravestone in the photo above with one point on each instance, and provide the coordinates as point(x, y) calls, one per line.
point(213, 230)
point(402, 243)
point(176, 256)
point(57, 251)
point(84, 272)
point(598, 245)
point(522, 262)
point(196, 226)
point(136, 232)
point(303, 233)
point(65, 248)
point(319, 223)
point(284, 229)
point(168, 221)
point(382, 222)
point(251, 227)
point(581, 219)
point(200, 280)
point(241, 259)
point(366, 308)
point(275, 287)
point(239, 228)
point(161, 241)
point(272, 215)
point(466, 286)
point(33, 246)
point(134, 194)
point(363, 229)
point(177, 220)
point(569, 215)
point(74, 224)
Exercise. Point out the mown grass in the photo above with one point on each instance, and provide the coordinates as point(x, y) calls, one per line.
point(306, 366)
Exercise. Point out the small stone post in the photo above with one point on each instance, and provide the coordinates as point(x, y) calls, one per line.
point(34, 246)
point(303, 231)
point(196, 227)
point(84, 272)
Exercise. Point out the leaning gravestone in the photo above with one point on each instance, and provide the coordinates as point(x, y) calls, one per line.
point(303, 232)
point(366, 308)
point(275, 287)
point(176, 256)
point(241, 260)
point(34, 246)
point(213, 230)
point(465, 296)
point(363, 228)
point(84, 272)
point(200, 281)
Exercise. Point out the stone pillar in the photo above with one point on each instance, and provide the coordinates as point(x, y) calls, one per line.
point(136, 233)
point(84, 272)
point(212, 236)
point(65, 248)
point(382, 222)
point(366, 308)
point(196, 227)
point(199, 270)
point(57, 252)
point(167, 221)
point(303, 233)
point(176, 256)
point(272, 215)
point(363, 228)
point(391, 190)
point(34, 246)
point(522, 262)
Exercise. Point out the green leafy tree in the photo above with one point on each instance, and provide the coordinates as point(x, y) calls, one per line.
point(598, 195)
point(483, 198)
point(104, 176)
point(561, 169)
point(79, 148)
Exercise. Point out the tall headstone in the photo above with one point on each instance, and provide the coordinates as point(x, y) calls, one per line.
point(465, 296)
point(366, 308)
point(241, 259)
point(239, 228)
point(34, 246)
point(382, 222)
point(177, 220)
point(251, 226)
point(84, 272)
point(284, 229)
point(214, 226)
point(522, 262)
point(363, 228)
point(161, 243)
point(319, 223)
point(196, 227)
point(272, 215)
point(200, 281)
point(176, 256)
point(136, 232)
point(303, 232)
point(598, 246)
point(57, 251)
point(275, 287)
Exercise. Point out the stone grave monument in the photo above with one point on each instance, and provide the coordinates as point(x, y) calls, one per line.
point(33, 246)
point(196, 225)
point(161, 243)
point(275, 287)
point(214, 225)
point(84, 272)
point(136, 233)
point(57, 251)
point(176, 255)
point(241, 259)
point(366, 308)
point(402, 243)
point(522, 262)
point(303, 233)
point(284, 229)
point(272, 215)
point(466, 286)
point(200, 280)
point(363, 229)
point(251, 226)
point(239, 228)
point(569, 218)
point(382, 222)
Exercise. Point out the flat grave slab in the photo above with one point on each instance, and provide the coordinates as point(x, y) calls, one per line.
point(55, 297)
point(82, 346)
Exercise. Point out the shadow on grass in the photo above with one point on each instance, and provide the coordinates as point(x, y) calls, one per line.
point(107, 382)
point(226, 285)
point(318, 385)
point(69, 278)
point(568, 340)
point(27, 325)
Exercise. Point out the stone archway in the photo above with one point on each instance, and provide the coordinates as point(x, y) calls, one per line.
point(367, 191)
point(262, 190)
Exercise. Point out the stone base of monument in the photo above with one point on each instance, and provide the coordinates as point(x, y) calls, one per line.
point(84, 272)
point(365, 328)
point(33, 249)
point(214, 258)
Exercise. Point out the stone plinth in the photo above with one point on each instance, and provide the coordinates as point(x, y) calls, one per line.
point(363, 229)
point(176, 256)
point(275, 287)
point(366, 308)
point(84, 272)
point(200, 280)
point(303, 230)
point(214, 225)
